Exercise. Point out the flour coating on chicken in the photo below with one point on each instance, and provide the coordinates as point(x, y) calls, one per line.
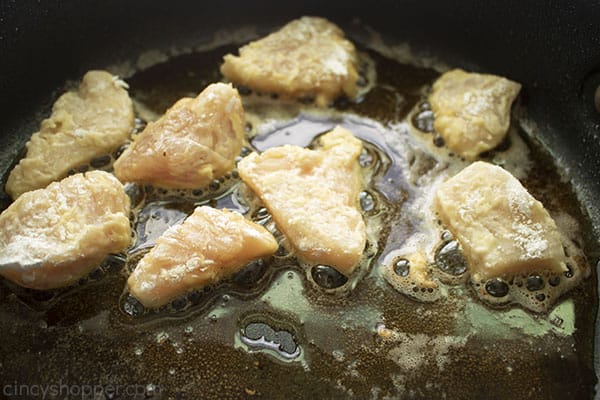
point(195, 142)
point(308, 57)
point(472, 111)
point(51, 237)
point(313, 197)
point(503, 230)
point(91, 122)
point(208, 246)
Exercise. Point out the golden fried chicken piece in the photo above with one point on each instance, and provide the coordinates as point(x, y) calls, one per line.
point(208, 246)
point(51, 237)
point(91, 122)
point(195, 142)
point(308, 57)
point(313, 197)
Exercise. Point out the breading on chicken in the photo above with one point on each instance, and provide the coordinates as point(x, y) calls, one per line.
point(208, 246)
point(51, 237)
point(195, 142)
point(502, 229)
point(472, 111)
point(308, 57)
point(91, 122)
point(313, 197)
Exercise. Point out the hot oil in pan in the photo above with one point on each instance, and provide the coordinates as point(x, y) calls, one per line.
point(304, 331)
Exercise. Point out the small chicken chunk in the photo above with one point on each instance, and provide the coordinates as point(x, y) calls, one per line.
point(308, 57)
point(195, 142)
point(418, 270)
point(503, 230)
point(210, 245)
point(91, 122)
point(472, 111)
point(51, 237)
point(313, 197)
point(407, 271)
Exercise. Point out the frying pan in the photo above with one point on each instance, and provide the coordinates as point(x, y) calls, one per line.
point(552, 48)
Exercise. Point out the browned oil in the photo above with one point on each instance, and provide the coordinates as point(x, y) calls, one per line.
point(274, 333)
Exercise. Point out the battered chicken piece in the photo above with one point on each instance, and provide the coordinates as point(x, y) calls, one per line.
point(472, 111)
point(51, 237)
point(195, 142)
point(308, 57)
point(210, 245)
point(91, 122)
point(313, 197)
point(503, 230)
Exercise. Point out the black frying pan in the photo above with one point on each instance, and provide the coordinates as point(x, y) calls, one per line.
point(552, 48)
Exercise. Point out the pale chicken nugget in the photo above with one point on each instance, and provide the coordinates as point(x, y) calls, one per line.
point(208, 246)
point(472, 111)
point(195, 142)
point(313, 197)
point(308, 57)
point(91, 122)
point(51, 237)
point(502, 229)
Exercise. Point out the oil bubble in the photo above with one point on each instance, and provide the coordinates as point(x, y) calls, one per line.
point(540, 297)
point(449, 258)
point(179, 303)
point(132, 306)
point(496, 287)
point(367, 203)
point(101, 161)
point(438, 141)
point(554, 281)
point(569, 272)
point(214, 185)
point(251, 273)
point(423, 121)
point(402, 267)
point(447, 236)
point(327, 277)
point(534, 282)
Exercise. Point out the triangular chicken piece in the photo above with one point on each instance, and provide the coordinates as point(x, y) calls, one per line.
point(313, 197)
point(208, 246)
point(91, 122)
point(195, 142)
point(308, 57)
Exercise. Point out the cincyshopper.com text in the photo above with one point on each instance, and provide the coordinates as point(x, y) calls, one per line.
point(76, 391)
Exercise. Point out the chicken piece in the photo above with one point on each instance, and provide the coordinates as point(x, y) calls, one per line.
point(418, 270)
point(91, 122)
point(503, 230)
point(308, 57)
point(313, 197)
point(210, 245)
point(51, 237)
point(195, 142)
point(472, 111)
